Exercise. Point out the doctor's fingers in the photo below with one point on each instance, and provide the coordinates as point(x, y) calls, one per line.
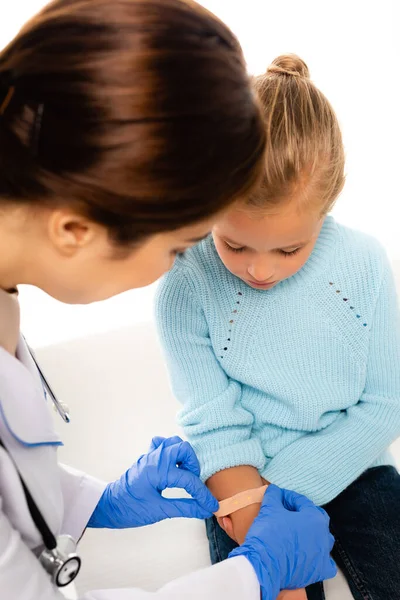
point(298, 503)
point(184, 457)
point(182, 479)
point(316, 515)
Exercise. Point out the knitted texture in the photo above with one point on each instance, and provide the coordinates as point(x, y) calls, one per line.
point(301, 381)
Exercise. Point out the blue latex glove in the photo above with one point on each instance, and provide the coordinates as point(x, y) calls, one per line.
point(289, 543)
point(135, 499)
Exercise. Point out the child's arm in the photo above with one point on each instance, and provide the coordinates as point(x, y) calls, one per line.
point(229, 482)
point(213, 418)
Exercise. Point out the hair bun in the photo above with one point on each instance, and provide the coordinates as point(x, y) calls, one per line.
point(289, 64)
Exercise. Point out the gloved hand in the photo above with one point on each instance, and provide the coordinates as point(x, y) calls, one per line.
point(289, 543)
point(135, 499)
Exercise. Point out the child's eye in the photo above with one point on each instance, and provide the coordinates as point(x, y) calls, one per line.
point(178, 253)
point(291, 253)
point(233, 249)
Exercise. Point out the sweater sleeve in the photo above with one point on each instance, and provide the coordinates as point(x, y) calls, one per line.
point(213, 419)
point(324, 463)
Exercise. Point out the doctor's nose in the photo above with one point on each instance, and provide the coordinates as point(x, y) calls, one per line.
point(261, 271)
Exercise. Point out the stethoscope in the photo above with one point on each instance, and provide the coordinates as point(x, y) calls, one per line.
point(60, 407)
point(59, 557)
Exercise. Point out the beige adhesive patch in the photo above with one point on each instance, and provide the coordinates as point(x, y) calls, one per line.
point(241, 500)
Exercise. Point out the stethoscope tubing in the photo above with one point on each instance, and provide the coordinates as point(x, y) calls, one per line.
point(63, 412)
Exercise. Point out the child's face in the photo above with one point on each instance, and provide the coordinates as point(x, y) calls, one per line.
point(264, 249)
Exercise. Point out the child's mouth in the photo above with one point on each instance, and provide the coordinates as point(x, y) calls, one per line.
point(261, 286)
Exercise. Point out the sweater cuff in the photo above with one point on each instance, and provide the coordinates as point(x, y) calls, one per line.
point(308, 483)
point(214, 459)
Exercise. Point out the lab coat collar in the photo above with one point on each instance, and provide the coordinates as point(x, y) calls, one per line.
point(23, 407)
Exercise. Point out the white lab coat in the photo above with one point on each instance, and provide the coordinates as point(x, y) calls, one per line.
point(66, 499)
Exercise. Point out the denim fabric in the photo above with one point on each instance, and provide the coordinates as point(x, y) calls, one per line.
point(365, 521)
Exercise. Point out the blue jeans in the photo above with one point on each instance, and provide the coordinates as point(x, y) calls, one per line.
point(365, 521)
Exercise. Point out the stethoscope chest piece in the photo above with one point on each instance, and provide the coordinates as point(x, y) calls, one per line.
point(62, 563)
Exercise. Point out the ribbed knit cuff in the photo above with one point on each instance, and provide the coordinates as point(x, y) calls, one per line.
point(385, 460)
point(214, 459)
point(310, 482)
point(303, 482)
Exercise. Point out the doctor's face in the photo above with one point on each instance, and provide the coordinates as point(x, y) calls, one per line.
point(74, 261)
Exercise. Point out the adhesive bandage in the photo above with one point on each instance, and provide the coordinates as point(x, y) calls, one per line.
point(241, 500)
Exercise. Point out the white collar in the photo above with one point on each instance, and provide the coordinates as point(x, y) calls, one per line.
point(23, 407)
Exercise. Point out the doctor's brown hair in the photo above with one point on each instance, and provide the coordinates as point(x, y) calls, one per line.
point(139, 113)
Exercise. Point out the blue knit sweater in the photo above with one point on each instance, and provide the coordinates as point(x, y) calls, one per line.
point(301, 381)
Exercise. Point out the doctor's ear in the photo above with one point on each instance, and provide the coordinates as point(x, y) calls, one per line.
point(69, 231)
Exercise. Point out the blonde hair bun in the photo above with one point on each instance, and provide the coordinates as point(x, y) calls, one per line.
point(289, 64)
point(305, 154)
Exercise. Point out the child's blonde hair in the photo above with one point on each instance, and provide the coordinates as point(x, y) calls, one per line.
point(305, 155)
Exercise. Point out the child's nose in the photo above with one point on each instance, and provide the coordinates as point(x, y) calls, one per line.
point(261, 271)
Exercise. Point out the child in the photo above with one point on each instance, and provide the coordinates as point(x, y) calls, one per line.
point(283, 343)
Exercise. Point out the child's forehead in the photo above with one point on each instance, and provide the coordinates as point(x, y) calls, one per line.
point(266, 231)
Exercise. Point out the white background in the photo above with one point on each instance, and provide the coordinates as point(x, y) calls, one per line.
point(350, 48)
